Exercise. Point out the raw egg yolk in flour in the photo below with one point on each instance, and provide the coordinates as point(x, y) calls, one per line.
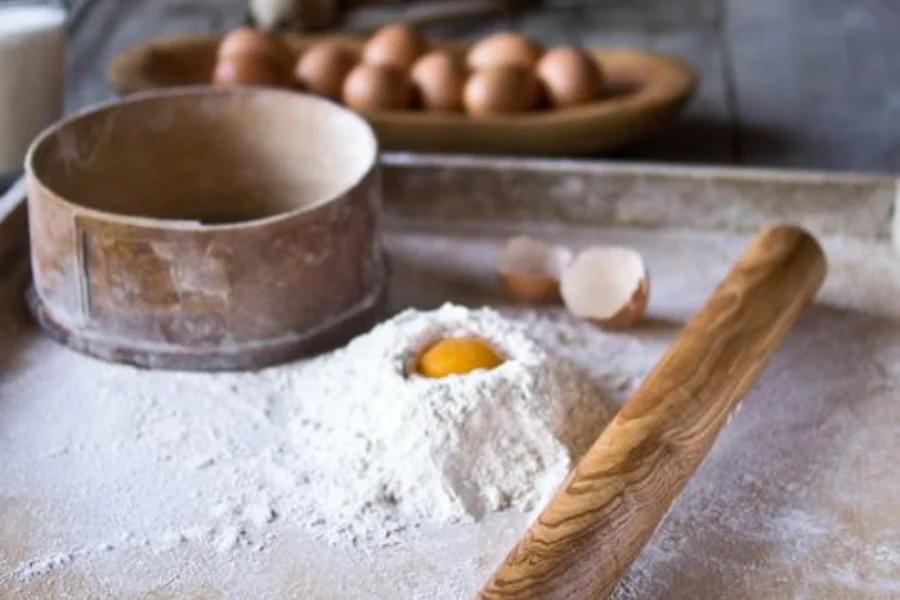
point(457, 356)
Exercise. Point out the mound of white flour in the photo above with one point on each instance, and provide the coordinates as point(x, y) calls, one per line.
point(348, 447)
point(389, 449)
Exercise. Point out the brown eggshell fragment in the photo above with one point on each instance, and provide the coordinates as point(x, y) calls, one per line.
point(439, 78)
point(323, 68)
point(504, 48)
point(376, 87)
point(607, 285)
point(501, 90)
point(570, 77)
point(397, 46)
point(529, 269)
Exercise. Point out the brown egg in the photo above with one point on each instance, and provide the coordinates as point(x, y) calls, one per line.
point(323, 68)
point(247, 70)
point(503, 49)
point(501, 90)
point(439, 78)
point(248, 41)
point(570, 77)
point(395, 46)
point(377, 87)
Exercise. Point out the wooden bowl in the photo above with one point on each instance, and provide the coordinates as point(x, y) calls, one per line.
point(206, 228)
point(646, 91)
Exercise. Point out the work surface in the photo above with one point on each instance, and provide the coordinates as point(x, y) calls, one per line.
point(797, 500)
point(801, 83)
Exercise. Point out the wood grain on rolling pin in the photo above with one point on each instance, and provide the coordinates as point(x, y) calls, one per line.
point(613, 501)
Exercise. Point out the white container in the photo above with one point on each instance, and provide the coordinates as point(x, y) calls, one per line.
point(32, 74)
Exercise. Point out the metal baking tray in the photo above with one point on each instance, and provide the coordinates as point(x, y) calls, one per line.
point(796, 500)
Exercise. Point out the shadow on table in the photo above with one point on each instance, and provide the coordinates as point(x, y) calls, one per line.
point(14, 317)
point(704, 140)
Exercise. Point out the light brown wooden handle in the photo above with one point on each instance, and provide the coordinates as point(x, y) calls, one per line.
point(613, 501)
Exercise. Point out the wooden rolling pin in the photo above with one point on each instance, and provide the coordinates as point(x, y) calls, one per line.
point(612, 502)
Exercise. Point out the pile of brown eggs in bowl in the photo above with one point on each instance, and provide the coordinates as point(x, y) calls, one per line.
point(398, 69)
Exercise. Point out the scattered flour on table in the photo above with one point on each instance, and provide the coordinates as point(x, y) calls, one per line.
point(139, 477)
point(352, 447)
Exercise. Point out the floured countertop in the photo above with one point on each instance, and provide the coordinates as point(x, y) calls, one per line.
point(798, 499)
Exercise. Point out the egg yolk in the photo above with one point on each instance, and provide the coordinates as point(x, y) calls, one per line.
point(457, 356)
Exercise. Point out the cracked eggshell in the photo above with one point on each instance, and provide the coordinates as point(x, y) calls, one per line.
point(607, 285)
point(529, 269)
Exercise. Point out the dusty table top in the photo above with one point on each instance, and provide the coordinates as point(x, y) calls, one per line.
point(797, 499)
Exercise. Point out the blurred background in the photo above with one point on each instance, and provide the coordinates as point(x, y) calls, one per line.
point(795, 83)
